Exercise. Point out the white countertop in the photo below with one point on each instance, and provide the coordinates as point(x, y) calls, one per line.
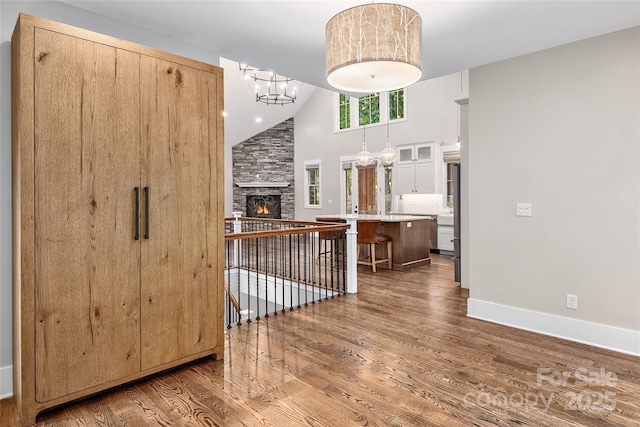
point(383, 218)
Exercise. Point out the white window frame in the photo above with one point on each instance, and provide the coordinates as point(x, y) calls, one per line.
point(404, 101)
point(355, 111)
point(337, 113)
point(346, 162)
point(381, 97)
point(307, 165)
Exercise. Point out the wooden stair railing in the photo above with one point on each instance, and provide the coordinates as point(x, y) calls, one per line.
point(232, 297)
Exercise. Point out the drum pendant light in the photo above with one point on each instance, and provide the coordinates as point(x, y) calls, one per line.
point(374, 47)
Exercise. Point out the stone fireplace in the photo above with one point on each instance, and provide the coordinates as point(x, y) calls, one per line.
point(263, 167)
point(259, 206)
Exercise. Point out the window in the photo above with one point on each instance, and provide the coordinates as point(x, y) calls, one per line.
point(369, 109)
point(388, 180)
point(348, 179)
point(396, 104)
point(374, 109)
point(345, 111)
point(312, 183)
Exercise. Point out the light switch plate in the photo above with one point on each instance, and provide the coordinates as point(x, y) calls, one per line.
point(523, 209)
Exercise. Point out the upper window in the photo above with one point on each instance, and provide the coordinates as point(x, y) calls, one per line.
point(370, 109)
point(396, 104)
point(312, 183)
point(345, 111)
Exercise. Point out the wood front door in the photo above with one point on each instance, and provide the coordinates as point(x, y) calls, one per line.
point(367, 185)
point(87, 263)
point(179, 314)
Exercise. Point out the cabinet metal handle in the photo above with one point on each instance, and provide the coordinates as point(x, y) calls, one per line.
point(146, 213)
point(137, 189)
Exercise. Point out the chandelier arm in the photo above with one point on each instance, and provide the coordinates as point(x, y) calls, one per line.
point(272, 95)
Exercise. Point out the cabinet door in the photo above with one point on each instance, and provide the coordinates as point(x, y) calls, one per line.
point(86, 259)
point(405, 155)
point(178, 313)
point(405, 177)
point(425, 177)
point(423, 153)
point(445, 238)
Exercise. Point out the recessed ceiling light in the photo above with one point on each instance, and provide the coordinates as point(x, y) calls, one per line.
point(258, 119)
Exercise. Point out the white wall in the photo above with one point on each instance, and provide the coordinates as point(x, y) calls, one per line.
point(431, 114)
point(69, 15)
point(559, 129)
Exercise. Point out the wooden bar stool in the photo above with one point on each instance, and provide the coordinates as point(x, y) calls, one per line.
point(367, 236)
point(333, 238)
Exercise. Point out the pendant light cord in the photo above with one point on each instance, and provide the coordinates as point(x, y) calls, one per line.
point(388, 141)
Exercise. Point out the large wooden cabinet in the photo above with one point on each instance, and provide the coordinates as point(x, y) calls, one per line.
point(118, 216)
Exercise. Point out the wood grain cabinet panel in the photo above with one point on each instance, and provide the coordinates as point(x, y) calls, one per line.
point(118, 219)
point(177, 167)
point(87, 162)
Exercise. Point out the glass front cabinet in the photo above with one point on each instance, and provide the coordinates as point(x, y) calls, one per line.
point(417, 170)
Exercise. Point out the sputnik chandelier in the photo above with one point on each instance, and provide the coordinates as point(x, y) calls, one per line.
point(270, 88)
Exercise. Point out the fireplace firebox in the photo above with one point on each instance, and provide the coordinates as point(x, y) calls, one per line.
point(259, 206)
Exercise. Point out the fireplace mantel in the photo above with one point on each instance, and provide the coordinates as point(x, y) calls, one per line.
point(262, 184)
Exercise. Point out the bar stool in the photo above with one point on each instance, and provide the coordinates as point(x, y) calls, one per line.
point(334, 239)
point(367, 236)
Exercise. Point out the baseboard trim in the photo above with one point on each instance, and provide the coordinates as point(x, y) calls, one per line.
point(595, 334)
point(6, 382)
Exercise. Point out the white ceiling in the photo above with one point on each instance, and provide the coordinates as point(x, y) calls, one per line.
point(243, 110)
point(288, 36)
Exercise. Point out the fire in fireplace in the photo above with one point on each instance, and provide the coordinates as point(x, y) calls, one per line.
point(263, 206)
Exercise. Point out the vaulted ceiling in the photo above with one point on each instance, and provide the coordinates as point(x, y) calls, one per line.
point(289, 36)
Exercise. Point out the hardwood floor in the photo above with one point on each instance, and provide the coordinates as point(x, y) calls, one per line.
point(399, 353)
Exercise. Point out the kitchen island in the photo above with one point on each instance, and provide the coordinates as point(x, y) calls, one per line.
point(410, 236)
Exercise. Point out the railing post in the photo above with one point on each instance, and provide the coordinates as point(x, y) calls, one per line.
point(237, 228)
point(352, 262)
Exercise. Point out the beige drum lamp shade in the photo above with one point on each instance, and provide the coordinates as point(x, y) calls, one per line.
point(375, 47)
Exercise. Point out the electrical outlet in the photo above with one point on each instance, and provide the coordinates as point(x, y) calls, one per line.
point(572, 302)
point(523, 209)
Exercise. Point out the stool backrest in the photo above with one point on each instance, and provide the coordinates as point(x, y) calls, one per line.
point(331, 235)
point(367, 230)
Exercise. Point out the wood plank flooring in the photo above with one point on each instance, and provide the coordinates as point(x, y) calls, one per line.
point(399, 353)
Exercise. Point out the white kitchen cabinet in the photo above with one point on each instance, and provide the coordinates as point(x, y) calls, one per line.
point(445, 232)
point(416, 178)
point(416, 153)
point(445, 238)
point(417, 170)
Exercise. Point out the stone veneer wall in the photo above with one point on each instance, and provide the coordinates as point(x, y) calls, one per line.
point(267, 156)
